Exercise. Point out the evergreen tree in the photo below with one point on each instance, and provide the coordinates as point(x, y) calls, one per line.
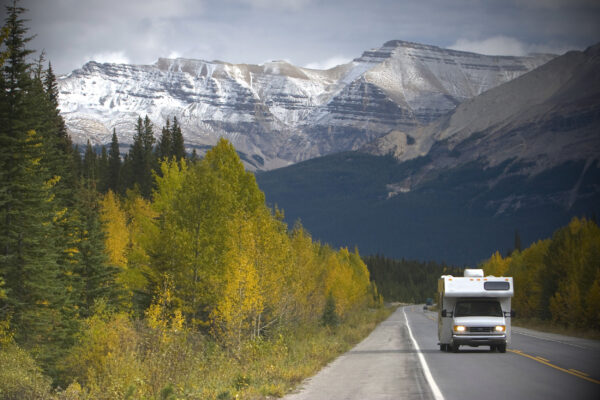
point(178, 146)
point(164, 147)
point(63, 141)
point(142, 157)
point(76, 164)
point(103, 171)
point(94, 277)
point(114, 164)
point(90, 165)
point(29, 258)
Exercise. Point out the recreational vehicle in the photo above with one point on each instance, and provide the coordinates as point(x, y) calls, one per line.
point(474, 310)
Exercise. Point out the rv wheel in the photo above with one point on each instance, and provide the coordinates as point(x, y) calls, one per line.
point(502, 348)
point(442, 347)
point(493, 348)
point(454, 347)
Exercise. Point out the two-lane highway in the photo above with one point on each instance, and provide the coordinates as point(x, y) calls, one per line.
point(536, 365)
point(401, 360)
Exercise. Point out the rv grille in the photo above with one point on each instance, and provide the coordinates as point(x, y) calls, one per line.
point(480, 329)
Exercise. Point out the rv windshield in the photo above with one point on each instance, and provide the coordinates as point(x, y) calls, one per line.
point(475, 308)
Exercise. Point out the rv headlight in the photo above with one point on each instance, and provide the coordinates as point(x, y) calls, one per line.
point(460, 328)
point(500, 328)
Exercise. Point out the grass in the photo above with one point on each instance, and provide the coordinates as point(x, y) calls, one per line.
point(179, 365)
point(550, 327)
point(270, 369)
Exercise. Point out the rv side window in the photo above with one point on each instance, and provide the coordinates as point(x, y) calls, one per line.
point(477, 308)
point(496, 285)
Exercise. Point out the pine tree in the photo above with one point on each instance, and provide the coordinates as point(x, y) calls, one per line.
point(178, 146)
point(142, 157)
point(103, 171)
point(114, 164)
point(90, 165)
point(95, 278)
point(164, 147)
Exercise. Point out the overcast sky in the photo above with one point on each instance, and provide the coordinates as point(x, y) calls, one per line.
point(314, 33)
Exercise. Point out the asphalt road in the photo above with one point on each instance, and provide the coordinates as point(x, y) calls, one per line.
point(400, 361)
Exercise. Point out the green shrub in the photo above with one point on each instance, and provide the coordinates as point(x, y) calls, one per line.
point(20, 376)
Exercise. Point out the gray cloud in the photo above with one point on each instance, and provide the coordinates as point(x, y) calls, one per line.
point(305, 32)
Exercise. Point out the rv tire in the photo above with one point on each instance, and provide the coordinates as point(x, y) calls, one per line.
point(502, 348)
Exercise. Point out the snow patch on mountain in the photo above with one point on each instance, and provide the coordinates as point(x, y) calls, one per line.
point(279, 113)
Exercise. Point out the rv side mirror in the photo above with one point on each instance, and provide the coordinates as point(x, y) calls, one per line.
point(444, 314)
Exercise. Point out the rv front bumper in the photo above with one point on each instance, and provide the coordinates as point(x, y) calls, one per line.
point(476, 340)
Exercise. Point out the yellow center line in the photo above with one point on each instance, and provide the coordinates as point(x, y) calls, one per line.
point(543, 359)
point(578, 374)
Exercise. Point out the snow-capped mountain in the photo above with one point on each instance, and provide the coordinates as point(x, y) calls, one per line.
point(277, 113)
point(542, 119)
point(522, 156)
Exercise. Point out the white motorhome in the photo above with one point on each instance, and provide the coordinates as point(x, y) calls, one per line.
point(474, 310)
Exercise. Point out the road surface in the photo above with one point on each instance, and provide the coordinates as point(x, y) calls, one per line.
point(403, 361)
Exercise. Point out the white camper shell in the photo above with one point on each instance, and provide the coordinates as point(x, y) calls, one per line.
point(474, 310)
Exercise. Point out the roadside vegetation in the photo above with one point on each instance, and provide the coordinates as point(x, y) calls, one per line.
point(156, 276)
point(557, 280)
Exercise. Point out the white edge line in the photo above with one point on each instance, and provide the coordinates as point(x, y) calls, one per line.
point(437, 393)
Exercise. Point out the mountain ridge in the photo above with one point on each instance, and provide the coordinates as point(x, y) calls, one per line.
point(479, 178)
point(277, 112)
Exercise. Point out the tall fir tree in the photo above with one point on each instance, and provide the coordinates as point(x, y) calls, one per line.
point(114, 164)
point(90, 165)
point(94, 277)
point(30, 254)
point(164, 147)
point(178, 145)
point(142, 157)
point(103, 171)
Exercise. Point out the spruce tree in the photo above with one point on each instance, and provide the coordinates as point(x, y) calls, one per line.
point(114, 164)
point(94, 277)
point(178, 146)
point(142, 157)
point(164, 147)
point(103, 171)
point(30, 254)
point(90, 165)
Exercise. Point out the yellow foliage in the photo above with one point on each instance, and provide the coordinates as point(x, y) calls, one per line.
point(496, 265)
point(105, 359)
point(114, 222)
point(236, 315)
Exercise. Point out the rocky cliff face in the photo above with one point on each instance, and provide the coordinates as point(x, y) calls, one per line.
point(278, 114)
point(544, 118)
point(522, 156)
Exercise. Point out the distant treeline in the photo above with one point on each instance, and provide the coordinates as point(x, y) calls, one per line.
point(557, 279)
point(109, 171)
point(407, 280)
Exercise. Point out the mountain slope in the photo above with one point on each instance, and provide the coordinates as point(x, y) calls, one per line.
point(524, 156)
point(277, 113)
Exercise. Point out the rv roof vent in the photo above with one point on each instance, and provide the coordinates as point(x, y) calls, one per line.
point(473, 273)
